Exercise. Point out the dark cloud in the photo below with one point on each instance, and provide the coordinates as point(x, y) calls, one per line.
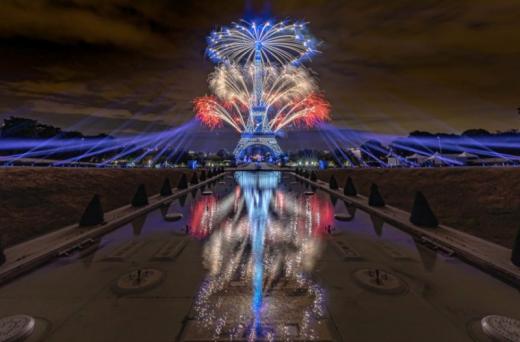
point(386, 66)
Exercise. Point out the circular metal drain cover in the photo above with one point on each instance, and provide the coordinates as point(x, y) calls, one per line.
point(501, 328)
point(379, 280)
point(15, 328)
point(139, 280)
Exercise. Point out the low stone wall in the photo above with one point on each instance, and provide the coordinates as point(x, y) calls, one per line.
point(35, 201)
point(484, 202)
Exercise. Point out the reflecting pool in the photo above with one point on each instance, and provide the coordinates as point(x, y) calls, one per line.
point(262, 245)
point(258, 255)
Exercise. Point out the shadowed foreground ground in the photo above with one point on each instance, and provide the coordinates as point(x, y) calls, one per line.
point(34, 201)
point(481, 201)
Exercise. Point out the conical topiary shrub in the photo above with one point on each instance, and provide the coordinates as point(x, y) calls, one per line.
point(2, 254)
point(183, 182)
point(333, 183)
point(140, 198)
point(349, 189)
point(166, 189)
point(375, 199)
point(194, 178)
point(93, 214)
point(314, 177)
point(515, 253)
point(422, 215)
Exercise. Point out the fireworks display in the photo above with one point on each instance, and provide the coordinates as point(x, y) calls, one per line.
point(281, 43)
point(232, 82)
point(259, 67)
point(213, 113)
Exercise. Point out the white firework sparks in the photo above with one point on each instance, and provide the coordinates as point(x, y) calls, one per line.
point(281, 43)
point(232, 82)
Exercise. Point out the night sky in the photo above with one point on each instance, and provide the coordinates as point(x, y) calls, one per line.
point(388, 67)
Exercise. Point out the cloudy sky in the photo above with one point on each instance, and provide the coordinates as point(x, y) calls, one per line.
point(389, 66)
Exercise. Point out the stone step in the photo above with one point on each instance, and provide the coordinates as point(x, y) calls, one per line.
point(169, 250)
point(124, 251)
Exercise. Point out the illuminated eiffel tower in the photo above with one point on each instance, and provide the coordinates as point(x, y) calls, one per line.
point(258, 136)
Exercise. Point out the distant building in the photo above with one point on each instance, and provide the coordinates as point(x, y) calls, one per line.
point(467, 157)
point(393, 161)
point(438, 159)
point(417, 159)
point(455, 159)
point(356, 152)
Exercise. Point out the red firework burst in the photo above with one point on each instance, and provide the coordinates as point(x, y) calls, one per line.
point(206, 110)
point(317, 110)
point(306, 112)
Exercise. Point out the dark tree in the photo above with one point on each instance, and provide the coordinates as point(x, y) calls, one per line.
point(93, 214)
point(140, 198)
point(515, 253)
point(2, 254)
point(166, 189)
point(476, 132)
point(194, 178)
point(333, 184)
point(421, 134)
point(202, 175)
point(183, 182)
point(349, 189)
point(375, 199)
point(422, 215)
point(14, 127)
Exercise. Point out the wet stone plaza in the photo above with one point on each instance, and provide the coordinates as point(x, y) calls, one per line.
point(258, 255)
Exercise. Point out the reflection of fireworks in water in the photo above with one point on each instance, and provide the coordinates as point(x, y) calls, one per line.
point(319, 213)
point(202, 216)
point(230, 261)
point(207, 214)
point(290, 248)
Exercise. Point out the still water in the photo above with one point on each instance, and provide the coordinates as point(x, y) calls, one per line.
point(258, 256)
point(262, 243)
